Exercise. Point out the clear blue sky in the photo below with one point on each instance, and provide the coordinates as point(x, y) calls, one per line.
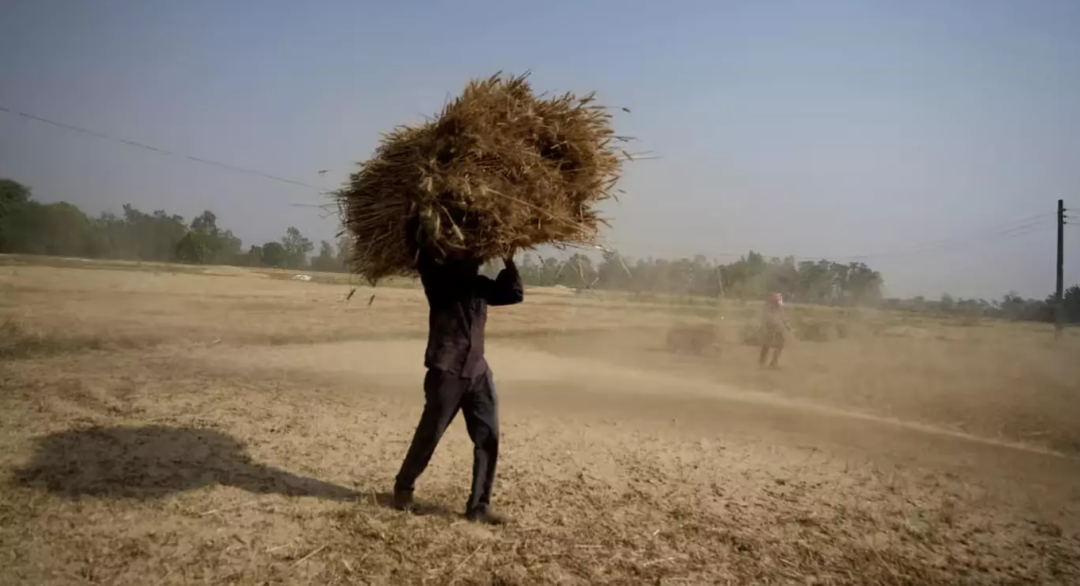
point(810, 128)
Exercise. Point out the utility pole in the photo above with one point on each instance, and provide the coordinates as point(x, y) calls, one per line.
point(1059, 297)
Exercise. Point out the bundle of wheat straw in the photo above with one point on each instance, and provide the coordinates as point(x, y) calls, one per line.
point(500, 169)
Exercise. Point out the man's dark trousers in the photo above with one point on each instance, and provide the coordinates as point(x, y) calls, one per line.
point(445, 393)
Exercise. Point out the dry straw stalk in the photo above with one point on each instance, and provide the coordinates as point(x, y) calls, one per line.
point(500, 169)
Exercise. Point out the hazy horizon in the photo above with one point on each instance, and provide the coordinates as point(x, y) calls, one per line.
point(824, 129)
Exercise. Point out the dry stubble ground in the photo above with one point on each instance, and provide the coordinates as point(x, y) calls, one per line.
point(238, 428)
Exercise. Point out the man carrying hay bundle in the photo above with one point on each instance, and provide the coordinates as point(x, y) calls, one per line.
point(499, 170)
point(458, 376)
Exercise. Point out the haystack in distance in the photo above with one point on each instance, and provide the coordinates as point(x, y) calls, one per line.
point(499, 170)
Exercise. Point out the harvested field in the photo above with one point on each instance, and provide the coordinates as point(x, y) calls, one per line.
point(169, 426)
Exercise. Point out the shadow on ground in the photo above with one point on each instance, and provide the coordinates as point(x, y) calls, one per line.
point(145, 462)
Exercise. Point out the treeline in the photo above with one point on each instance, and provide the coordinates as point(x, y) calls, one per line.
point(820, 282)
point(62, 229)
point(750, 277)
point(1012, 306)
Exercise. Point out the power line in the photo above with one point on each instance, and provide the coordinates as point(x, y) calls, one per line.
point(162, 151)
point(1035, 229)
point(219, 164)
point(986, 236)
point(991, 238)
point(101, 135)
point(988, 233)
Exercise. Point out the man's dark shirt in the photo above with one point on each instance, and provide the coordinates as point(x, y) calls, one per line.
point(458, 299)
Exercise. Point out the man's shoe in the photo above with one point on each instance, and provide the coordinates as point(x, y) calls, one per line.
point(403, 500)
point(484, 514)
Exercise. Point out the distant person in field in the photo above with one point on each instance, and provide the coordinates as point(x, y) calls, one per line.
point(458, 377)
point(775, 328)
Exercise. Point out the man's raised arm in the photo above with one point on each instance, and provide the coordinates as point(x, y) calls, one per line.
point(506, 289)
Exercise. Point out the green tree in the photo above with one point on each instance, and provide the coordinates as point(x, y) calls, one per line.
point(221, 246)
point(27, 226)
point(612, 272)
point(1072, 304)
point(142, 236)
point(582, 274)
point(327, 260)
point(61, 229)
point(947, 304)
point(252, 258)
point(274, 255)
point(14, 200)
point(206, 223)
point(194, 247)
point(12, 193)
point(344, 248)
point(296, 248)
